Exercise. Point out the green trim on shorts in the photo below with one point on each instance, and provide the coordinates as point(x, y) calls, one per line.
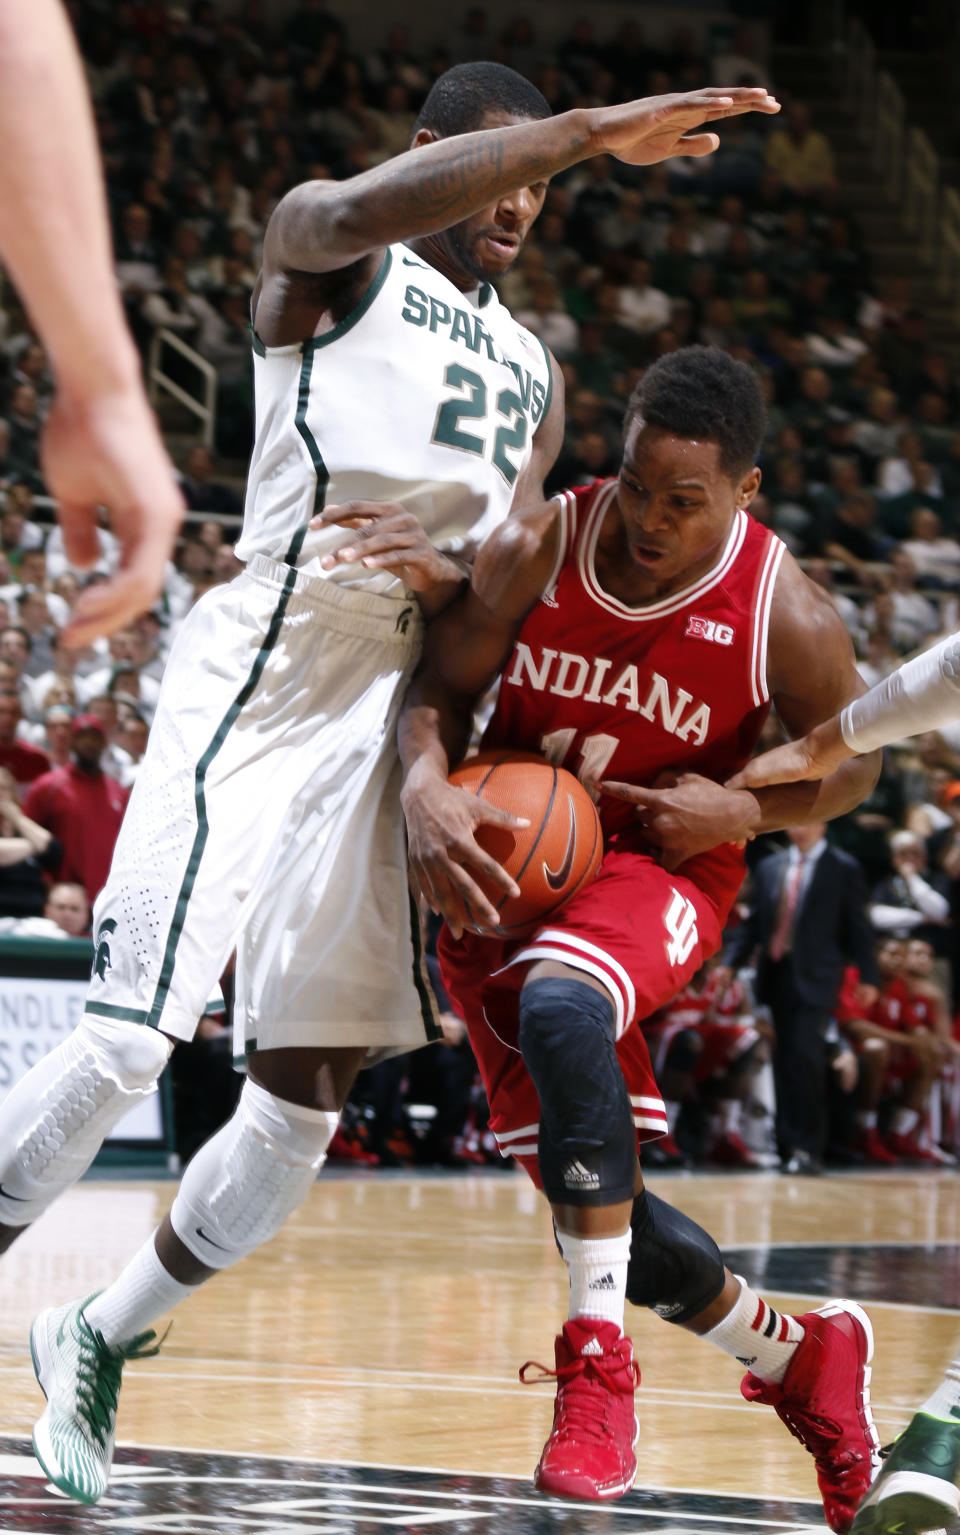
point(428, 1011)
point(125, 1014)
point(203, 828)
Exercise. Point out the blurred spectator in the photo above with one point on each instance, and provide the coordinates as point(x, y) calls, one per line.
point(24, 421)
point(799, 154)
point(68, 907)
point(57, 735)
point(548, 319)
point(912, 901)
point(201, 491)
point(131, 743)
point(850, 537)
point(17, 533)
point(914, 617)
point(82, 807)
point(935, 558)
point(640, 306)
point(24, 762)
point(61, 672)
point(737, 63)
point(908, 470)
point(27, 851)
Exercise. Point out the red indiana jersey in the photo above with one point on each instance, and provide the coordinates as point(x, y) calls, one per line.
point(613, 691)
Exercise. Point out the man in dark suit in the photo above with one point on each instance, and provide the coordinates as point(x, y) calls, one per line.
point(807, 921)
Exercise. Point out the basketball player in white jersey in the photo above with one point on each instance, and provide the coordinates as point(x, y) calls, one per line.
point(265, 815)
point(916, 1490)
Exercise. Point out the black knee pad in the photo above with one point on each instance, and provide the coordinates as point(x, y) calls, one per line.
point(587, 1146)
point(675, 1266)
point(683, 1051)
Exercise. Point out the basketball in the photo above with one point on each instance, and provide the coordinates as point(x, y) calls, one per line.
point(552, 858)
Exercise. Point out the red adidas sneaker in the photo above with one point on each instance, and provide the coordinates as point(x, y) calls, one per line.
point(590, 1450)
point(824, 1400)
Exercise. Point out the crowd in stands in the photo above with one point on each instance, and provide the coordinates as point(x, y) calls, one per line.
point(205, 119)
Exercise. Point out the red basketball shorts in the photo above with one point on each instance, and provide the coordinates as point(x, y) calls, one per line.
point(639, 930)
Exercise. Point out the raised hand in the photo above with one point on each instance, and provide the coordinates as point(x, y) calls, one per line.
point(644, 132)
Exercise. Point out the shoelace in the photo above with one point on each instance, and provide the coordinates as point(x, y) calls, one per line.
point(99, 1370)
point(584, 1384)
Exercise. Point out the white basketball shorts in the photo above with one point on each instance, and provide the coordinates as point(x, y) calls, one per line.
point(266, 817)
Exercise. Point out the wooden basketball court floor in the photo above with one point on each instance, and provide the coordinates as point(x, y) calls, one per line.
point(360, 1374)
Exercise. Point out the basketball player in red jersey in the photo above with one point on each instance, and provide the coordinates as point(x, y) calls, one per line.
point(641, 626)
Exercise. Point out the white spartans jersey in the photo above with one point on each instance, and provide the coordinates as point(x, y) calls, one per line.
point(422, 395)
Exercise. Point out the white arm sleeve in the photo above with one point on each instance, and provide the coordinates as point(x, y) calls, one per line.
point(920, 695)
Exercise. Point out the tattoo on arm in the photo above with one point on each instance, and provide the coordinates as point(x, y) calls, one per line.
point(444, 187)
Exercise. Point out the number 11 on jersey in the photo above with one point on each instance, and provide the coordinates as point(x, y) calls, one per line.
point(594, 757)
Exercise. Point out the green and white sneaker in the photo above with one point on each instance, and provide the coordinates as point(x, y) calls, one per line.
point(80, 1377)
point(915, 1491)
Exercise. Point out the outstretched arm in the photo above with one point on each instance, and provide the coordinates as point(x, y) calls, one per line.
point(921, 695)
point(465, 649)
point(100, 443)
point(324, 226)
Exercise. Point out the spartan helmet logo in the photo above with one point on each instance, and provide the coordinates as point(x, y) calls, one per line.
point(101, 954)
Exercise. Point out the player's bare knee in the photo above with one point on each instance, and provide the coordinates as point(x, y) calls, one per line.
point(675, 1266)
point(313, 1077)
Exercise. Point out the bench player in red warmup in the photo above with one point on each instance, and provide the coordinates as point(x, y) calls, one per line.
point(641, 626)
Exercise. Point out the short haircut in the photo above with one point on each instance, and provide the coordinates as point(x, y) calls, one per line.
point(701, 391)
point(460, 99)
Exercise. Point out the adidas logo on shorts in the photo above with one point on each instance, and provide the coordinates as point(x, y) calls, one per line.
point(576, 1176)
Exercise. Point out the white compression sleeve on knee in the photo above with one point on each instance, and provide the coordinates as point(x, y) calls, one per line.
point(920, 695)
point(248, 1178)
point(56, 1118)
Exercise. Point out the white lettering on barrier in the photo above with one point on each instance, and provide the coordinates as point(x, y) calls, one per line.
point(36, 1014)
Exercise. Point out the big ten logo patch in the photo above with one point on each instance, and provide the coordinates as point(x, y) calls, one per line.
point(708, 629)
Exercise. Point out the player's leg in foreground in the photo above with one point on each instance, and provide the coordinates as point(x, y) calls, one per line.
point(814, 1370)
point(236, 1194)
point(916, 1490)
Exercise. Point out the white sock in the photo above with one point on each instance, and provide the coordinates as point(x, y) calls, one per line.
point(904, 1121)
point(761, 1338)
point(598, 1275)
point(730, 1115)
point(945, 1401)
point(137, 1297)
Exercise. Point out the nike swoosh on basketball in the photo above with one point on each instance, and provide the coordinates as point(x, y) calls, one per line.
point(557, 878)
